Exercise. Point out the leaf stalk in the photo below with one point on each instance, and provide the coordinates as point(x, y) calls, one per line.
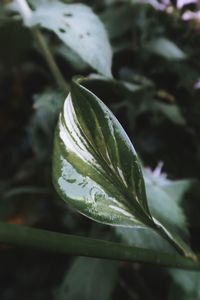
point(26, 14)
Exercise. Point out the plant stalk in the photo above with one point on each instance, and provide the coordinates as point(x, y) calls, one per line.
point(64, 86)
point(22, 236)
point(26, 14)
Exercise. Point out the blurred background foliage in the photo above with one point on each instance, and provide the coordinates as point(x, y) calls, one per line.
point(155, 94)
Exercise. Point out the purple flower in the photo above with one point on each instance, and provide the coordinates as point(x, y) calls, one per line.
point(159, 5)
point(181, 3)
point(197, 84)
point(156, 176)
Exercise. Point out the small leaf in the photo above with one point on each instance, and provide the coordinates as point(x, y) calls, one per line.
point(177, 189)
point(96, 168)
point(111, 17)
point(171, 111)
point(144, 238)
point(47, 106)
point(88, 273)
point(80, 29)
point(164, 198)
point(119, 88)
point(187, 284)
point(166, 49)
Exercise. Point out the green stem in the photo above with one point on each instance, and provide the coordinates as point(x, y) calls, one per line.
point(26, 14)
point(50, 60)
point(22, 236)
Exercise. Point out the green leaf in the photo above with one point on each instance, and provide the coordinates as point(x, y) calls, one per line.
point(165, 210)
point(80, 29)
point(164, 198)
point(71, 57)
point(121, 88)
point(144, 238)
point(47, 106)
point(118, 20)
point(96, 168)
point(83, 279)
point(171, 111)
point(176, 189)
point(187, 284)
point(166, 49)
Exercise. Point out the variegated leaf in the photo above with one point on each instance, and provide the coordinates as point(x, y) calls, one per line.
point(96, 169)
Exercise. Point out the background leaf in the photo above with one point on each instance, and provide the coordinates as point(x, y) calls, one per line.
point(80, 29)
point(89, 279)
point(171, 111)
point(111, 20)
point(47, 106)
point(144, 238)
point(165, 48)
point(186, 285)
point(164, 198)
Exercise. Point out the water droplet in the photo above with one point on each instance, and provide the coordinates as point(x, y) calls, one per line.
point(96, 194)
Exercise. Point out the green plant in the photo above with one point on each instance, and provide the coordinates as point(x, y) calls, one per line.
point(95, 167)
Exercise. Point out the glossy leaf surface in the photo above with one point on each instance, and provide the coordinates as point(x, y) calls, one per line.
point(96, 169)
